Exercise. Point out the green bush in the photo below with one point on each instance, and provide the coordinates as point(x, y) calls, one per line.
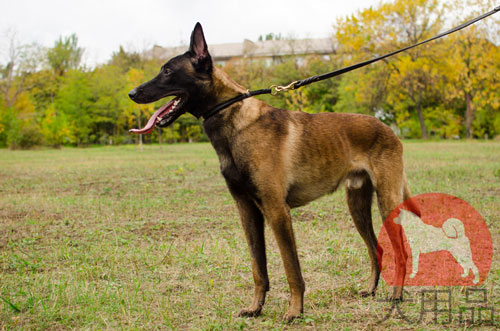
point(23, 135)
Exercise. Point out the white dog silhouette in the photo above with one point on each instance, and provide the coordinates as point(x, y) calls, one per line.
point(425, 238)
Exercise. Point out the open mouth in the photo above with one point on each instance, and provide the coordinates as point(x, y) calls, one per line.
point(163, 117)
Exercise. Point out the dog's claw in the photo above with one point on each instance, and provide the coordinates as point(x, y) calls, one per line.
point(248, 312)
point(293, 312)
point(290, 317)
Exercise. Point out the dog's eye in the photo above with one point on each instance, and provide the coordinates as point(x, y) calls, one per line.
point(166, 71)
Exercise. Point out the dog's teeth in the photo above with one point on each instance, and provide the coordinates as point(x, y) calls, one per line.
point(174, 105)
point(159, 119)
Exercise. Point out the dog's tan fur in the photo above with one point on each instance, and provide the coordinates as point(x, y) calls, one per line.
point(292, 158)
point(274, 160)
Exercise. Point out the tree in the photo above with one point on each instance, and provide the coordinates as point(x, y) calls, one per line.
point(126, 60)
point(18, 126)
point(469, 63)
point(65, 55)
point(270, 36)
point(108, 86)
point(76, 102)
point(22, 61)
point(137, 111)
point(364, 90)
point(415, 73)
point(55, 128)
point(360, 37)
point(21, 129)
point(406, 83)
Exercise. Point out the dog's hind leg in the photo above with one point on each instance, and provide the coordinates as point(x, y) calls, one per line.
point(389, 195)
point(359, 193)
point(253, 225)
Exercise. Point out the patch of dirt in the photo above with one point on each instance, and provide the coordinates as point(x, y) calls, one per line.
point(185, 231)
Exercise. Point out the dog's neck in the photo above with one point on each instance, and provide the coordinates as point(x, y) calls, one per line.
point(225, 88)
point(223, 125)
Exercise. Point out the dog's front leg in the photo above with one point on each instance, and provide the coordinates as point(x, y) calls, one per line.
point(253, 225)
point(278, 216)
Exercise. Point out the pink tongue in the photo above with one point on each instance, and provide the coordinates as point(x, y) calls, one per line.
point(152, 121)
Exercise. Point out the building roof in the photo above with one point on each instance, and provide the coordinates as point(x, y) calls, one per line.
point(267, 48)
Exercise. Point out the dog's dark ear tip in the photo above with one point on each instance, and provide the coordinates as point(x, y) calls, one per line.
point(198, 27)
point(198, 49)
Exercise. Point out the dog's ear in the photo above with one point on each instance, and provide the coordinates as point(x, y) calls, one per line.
point(198, 50)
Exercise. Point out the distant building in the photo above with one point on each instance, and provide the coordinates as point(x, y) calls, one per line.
point(272, 51)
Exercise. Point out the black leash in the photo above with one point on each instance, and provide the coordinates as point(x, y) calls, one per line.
point(274, 89)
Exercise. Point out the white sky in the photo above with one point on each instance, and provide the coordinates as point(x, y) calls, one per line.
point(103, 25)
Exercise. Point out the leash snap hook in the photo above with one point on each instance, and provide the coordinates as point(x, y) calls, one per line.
point(275, 89)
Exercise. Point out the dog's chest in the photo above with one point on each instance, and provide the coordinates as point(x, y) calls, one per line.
point(237, 178)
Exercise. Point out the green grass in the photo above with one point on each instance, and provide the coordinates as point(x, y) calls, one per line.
point(114, 238)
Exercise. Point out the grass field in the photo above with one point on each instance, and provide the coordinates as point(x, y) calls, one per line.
point(114, 238)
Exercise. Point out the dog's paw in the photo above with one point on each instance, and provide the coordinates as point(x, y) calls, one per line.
point(413, 275)
point(395, 298)
point(366, 293)
point(250, 312)
point(291, 316)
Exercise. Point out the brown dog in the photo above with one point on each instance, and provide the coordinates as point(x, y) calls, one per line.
point(274, 160)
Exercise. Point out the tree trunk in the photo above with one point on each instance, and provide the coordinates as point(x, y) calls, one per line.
point(10, 78)
point(469, 115)
point(423, 128)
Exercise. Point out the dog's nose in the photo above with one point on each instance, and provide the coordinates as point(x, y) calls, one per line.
point(132, 93)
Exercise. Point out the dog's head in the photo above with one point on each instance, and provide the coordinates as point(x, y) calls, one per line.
point(188, 77)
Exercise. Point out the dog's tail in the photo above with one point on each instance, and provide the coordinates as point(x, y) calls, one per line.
point(409, 203)
point(453, 228)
